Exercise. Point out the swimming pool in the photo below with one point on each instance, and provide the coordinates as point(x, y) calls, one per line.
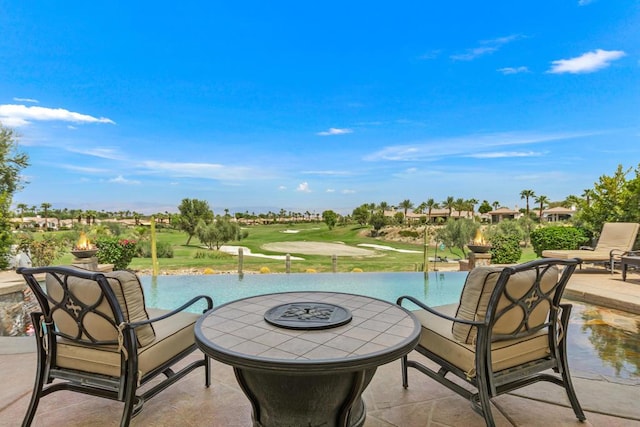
point(601, 341)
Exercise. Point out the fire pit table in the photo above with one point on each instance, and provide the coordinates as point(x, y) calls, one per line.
point(304, 358)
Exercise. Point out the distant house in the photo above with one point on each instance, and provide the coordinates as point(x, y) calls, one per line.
point(504, 213)
point(437, 215)
point(558, 214)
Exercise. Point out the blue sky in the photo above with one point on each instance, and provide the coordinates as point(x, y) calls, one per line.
point(317, 105)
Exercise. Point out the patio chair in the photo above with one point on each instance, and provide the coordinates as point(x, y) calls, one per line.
point(95, 336)
point(616, 240)
point(508, 329)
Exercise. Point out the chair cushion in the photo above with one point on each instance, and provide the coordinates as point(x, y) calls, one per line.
point(477, 291)
point(173, 336)
point(437, 337)
point(128, 291)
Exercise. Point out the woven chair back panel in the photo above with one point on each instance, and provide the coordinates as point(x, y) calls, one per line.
point(90, 311)
point(80, 310)
point(526, 301)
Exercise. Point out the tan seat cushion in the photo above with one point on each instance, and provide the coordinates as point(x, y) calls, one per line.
point(128, 291)
point(173, 335)
point(438, 338)
point(476, 293)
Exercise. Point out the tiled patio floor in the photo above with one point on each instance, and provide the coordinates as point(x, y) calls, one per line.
point(425, 403)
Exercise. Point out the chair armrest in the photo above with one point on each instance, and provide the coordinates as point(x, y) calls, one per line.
point(175, 311)
point(587, 248)
point(437, 313)
point(618, 253)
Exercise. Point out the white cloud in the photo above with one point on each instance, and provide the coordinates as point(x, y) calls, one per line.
point(348, 191)
point(20, 115)
point(328, 173)
point(202, 170)
point(304, 187)
point(84, 169)
point(334, 131)
point(282, 188)
point(586, 63)
point(122, 180)
point(103, 153)
point(330, 190)
point(34, 101)
point(513, 70)
point(467, 145)
point(487, 47)
point(502, 154)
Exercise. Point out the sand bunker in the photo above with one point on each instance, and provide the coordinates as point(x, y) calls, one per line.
point(317, 248)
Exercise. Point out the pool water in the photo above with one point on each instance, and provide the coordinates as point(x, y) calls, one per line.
point(601, 341)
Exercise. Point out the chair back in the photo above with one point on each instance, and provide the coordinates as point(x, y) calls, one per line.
point(89, 307)
point(618, 235)
point(514, 301)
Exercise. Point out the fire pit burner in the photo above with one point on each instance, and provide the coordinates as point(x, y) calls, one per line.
point(479, 249)
point(308, 315)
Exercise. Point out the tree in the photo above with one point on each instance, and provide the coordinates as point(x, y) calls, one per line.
point(383, 206)
point(406, 205)
point(449, 203)
point(192, 211)
point(45, 210)
point(485, 207)
point(431, 205)
point(330, 218)
point(217, 233)
point(495, 205)
point(12, 162)
point(456, 234)
point(613, 199)
point(378, 220)
point(526, 195)
point(361, 214)
point(541, 201)
point(21, 207)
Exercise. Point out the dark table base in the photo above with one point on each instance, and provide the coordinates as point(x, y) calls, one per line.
point(282, 399)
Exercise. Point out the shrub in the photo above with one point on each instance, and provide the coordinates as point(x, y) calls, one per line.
point(211, 255)
point(208, 271)
point(555, 237)
point(41, 252)
point(163, 249)
point(505, 249)
point(118, 252)
point(310, 270)
point(356, 270)
point(264, 270)
point(409, 233)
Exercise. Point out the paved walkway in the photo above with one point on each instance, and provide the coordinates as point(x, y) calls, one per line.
point(425, 403)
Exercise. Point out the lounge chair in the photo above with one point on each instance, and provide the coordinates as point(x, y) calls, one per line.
point(616, 240)
point(508, 331)
point(94, 336)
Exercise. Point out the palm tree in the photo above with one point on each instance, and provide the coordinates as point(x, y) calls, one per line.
point(383, 206)
point(22, 207)
point(406, 205)
point(471, 204)
point(45, 209)
point(431, 205)
point(449, 204)
point(587, 196)
point(459, 204)
point(527, 194)
point(495, 205)
point(541, 201)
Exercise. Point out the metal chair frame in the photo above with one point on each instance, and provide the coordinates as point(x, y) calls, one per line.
point(123, 388)
point(489, 384)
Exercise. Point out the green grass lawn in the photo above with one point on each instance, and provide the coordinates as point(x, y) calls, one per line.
point(196, 256)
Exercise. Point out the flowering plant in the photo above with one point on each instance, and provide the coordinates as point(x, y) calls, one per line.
point(118, 252)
